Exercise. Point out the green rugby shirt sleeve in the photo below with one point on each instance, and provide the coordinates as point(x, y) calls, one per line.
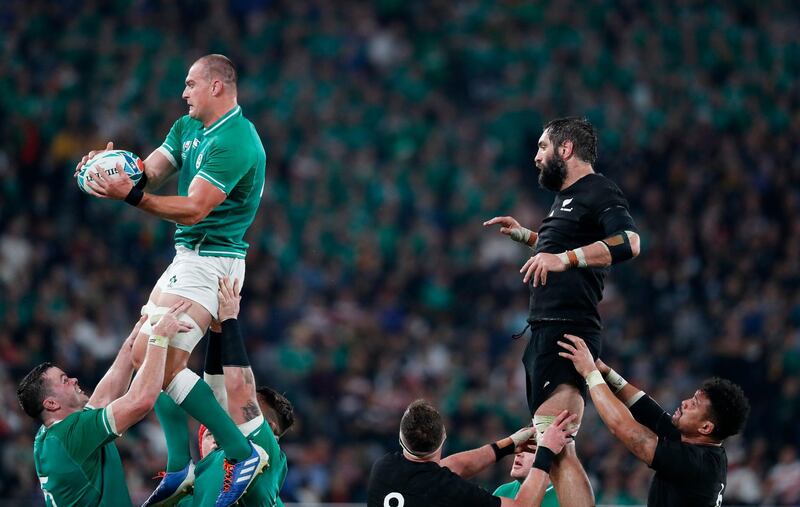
point(171, 147)
point(224, 166)
point(89, 431)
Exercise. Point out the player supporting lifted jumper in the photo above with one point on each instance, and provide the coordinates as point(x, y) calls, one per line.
point(420, 477)
point(220, 163)
point(685, 448)
point(588, 229)
point(74, 452)
point(261, 413)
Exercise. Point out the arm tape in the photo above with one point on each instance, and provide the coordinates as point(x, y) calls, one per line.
point(619, 246)
point(233, 351)
point(213, 364)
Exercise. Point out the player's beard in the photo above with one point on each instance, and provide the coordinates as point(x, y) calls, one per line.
point(552, 173)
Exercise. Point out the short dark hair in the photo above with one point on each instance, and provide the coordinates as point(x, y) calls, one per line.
point(220, 67)
point(422, 427)
point(729, 406)
point(282, 409)
point(32, 391)
point(578, 130)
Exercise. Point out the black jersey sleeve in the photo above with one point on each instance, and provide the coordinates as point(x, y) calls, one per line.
point(649, 413)
point(612, 209)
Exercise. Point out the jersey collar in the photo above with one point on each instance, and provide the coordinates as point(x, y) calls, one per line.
point(237, 110)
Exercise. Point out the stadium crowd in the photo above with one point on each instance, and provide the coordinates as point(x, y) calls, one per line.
point(393, 129)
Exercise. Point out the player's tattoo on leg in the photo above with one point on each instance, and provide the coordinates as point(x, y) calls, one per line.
point(250, 411)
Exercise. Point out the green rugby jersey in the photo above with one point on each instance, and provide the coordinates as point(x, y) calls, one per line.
point(264, 490)
point(510, 490)
point(229, 155)
point(78, 463)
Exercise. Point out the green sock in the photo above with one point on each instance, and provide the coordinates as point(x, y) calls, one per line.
point(176, 430)
point(201, 404)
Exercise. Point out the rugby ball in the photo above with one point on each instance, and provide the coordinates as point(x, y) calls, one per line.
point(107, 161)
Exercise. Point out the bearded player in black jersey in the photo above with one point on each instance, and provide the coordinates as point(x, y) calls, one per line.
point(588, 228)
point(684, 448)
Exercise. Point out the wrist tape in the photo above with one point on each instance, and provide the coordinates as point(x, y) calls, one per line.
point(594, 378)
point(544, 459)
point(158, 341)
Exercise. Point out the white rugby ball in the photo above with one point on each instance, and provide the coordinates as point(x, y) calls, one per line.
point(107, 162)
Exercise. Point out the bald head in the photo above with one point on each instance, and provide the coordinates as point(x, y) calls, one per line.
point(219, 67)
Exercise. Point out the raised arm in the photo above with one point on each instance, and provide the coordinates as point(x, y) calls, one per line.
point(140, 398)
point(640, 440)
point(469, 463)
point(240, 384)
point(118, 377)
point(552, 443)
point(644, 409)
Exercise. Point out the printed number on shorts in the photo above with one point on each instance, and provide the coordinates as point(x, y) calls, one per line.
point(719, 497)
point(49, 501)
point(387, 501)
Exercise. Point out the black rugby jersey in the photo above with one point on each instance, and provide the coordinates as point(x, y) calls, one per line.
point(687, 475)
point(395, 481)
point(591, 209)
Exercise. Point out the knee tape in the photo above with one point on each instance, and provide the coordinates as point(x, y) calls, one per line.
point(542, 422)
point(180, 386)
point(148, 310)
point(184, 340)
point(187, 341)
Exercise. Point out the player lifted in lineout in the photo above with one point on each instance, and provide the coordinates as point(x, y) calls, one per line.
point(261, 413)
point(220, 163)
point(588, 229)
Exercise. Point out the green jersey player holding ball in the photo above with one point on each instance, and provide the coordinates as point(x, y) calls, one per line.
point(220, 163)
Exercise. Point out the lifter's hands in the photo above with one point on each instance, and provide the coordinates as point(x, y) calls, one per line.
point(169, 325)
point(555, 437)
point(578, 353)
point(603, 367)
point(539, 265)
point(91, 155)
point(229, 298)
point(524, 440)
point(511, 228)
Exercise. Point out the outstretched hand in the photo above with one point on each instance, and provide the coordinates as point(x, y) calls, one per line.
point(556, 436)
point(229, 298)
point(169, 325)
point(539, 265)
point(578, 352)
point(510, 227)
